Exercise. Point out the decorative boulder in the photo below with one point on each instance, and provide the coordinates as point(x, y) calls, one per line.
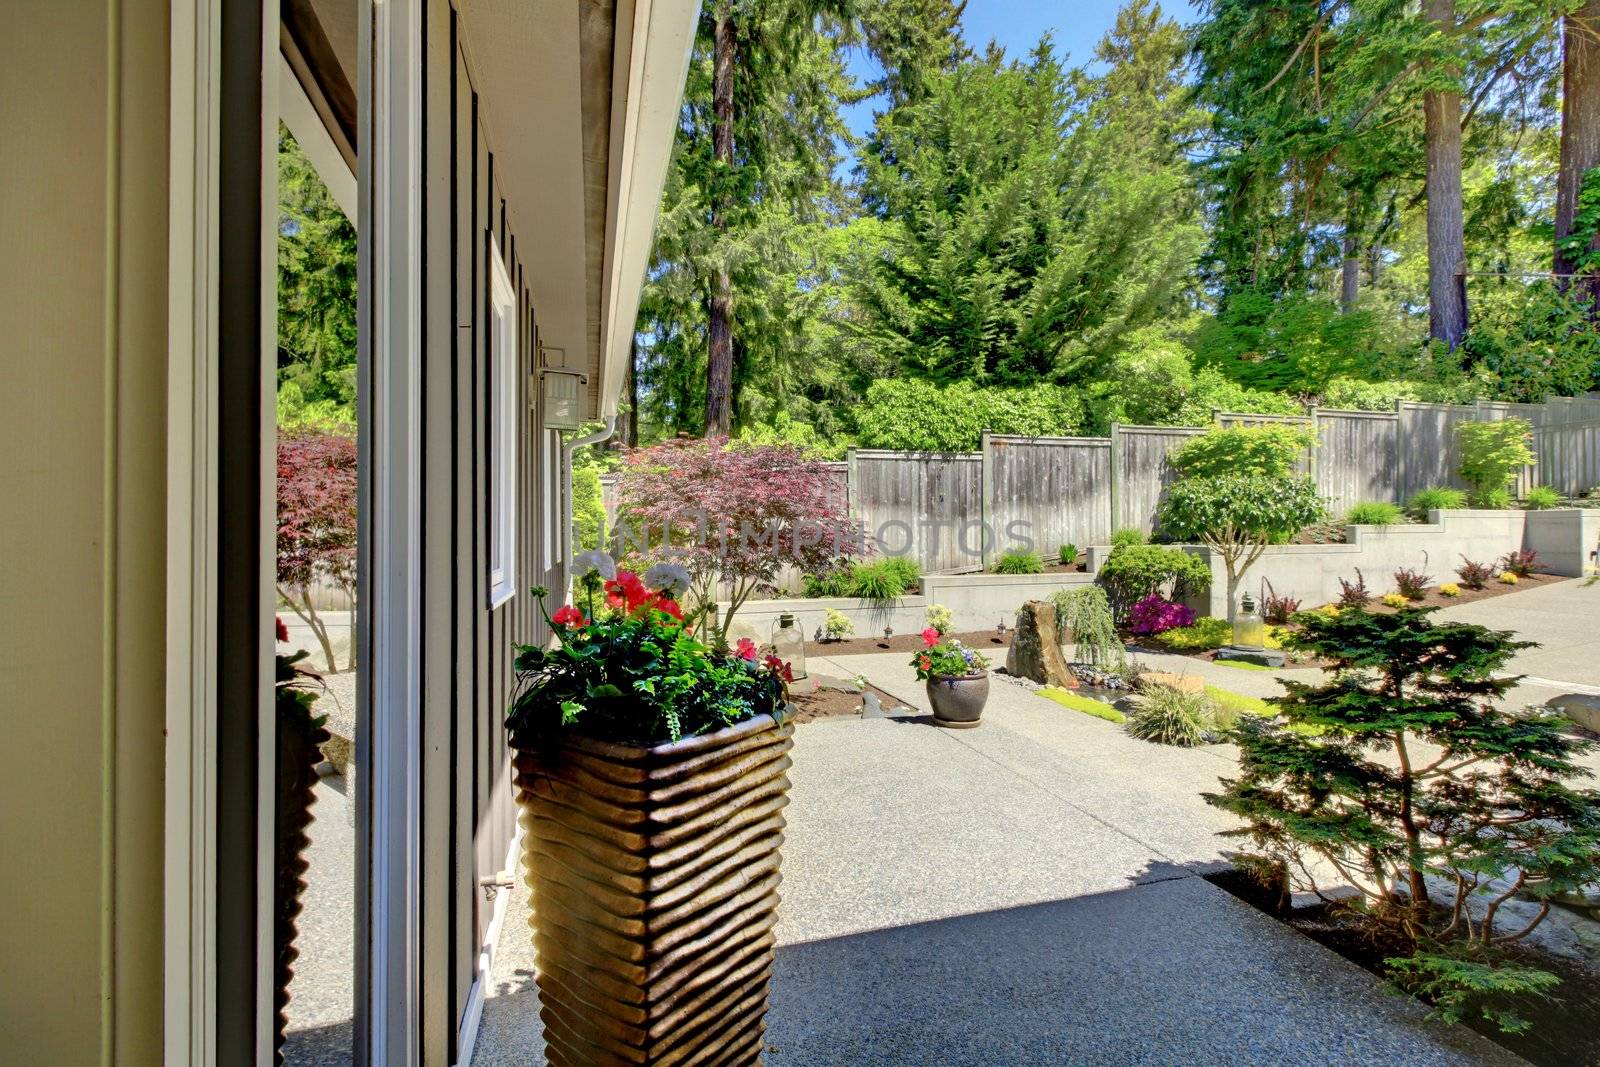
point(1035, 651)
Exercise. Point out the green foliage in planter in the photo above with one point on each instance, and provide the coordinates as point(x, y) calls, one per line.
point(1086, 612)
point(1132, 572)
point(1019, 561)
point(1270, 450)
point(1489, 807)
point(1542, 498)
point(1205, 634)
point(1239, 515)
point(1068, 553)
point(885, 578)
point(634, 677)
point(1492, 499)
point(1491, 455)
point(1078, 702)
point(1374, 513)
point(1436, 498)
point(1128, 536)
point(1169, 716)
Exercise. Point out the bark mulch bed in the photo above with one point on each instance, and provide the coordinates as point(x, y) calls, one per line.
point(1563, 1026)
point(822, 703)
point(982, 640)
point(1436, 599)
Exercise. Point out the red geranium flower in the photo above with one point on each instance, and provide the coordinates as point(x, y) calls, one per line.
point(283, 631)
point(926, 662)
point(780, 668)
point(930, 637)
point(626, 592)
point(569, 616)
point(669, 606)
point(746, 649)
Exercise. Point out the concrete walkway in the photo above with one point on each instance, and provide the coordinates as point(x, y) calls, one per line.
point(1564, 619)
point(1024, 893)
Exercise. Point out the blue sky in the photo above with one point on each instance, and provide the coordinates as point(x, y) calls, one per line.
point(1076, 25)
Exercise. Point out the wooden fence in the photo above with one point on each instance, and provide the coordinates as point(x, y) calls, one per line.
point(956, 512)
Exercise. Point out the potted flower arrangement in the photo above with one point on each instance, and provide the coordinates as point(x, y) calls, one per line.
point(957, 678)
point(651, 771)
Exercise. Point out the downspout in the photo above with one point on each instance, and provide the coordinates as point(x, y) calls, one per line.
point(567, 449)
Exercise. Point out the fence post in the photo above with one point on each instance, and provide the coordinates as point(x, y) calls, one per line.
point(985, 496)
point(1400, 452)
point(850, 485)
point(1313, 413)
point(1115, 434)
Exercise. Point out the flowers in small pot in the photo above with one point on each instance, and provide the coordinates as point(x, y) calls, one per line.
point(626, 669)
point(945, 657)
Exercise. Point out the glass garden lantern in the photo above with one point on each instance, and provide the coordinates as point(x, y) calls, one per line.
point(789, 645)
point(1249, 632)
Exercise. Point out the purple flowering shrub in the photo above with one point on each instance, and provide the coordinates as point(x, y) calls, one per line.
point(1156, 614)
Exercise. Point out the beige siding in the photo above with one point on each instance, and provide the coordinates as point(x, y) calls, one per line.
point(82, 385)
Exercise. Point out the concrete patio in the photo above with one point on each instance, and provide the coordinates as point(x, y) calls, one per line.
point(1023, 893)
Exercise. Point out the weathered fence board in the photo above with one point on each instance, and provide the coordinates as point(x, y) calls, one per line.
point(1142, 470)
point(921, 504)
point(1358, 456)
point(1430, 454)
point(1058, 487)
point(1569, 455)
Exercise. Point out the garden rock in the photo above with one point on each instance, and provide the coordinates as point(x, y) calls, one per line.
point(1580, 708)
point(1035, 651)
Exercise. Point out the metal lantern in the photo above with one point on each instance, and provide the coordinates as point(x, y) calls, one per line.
point(563, 397)
point(789, 645)
point(1249, 632)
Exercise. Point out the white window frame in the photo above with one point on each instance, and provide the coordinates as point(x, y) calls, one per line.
point(504, 382)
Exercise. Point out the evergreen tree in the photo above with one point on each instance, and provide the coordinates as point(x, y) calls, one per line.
point(1035, 214)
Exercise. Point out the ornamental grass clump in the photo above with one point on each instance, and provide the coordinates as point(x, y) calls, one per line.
point(1436, 498)
point(1169, 716)
point(1436, 806)
point(1375, 513)
point(1019, 561)
point(625, 667)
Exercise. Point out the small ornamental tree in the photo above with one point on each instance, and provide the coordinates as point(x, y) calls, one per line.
point(316, 524)
point(1414, 789)
point(1491, 455)
point(734, 514)
point(1271, 450)
point(1238, 515)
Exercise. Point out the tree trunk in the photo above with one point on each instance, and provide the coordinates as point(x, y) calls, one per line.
point(1580, 132)
point(719, 354)
point(1447, 290)
point(1350, 271)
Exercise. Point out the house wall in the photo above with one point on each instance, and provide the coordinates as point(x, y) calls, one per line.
point(83, 223)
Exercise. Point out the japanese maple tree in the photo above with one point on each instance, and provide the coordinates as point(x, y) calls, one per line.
point(734, 514)
point(316, 524)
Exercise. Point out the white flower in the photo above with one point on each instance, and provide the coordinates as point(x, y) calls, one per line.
point(667, 578)
point(594, 561)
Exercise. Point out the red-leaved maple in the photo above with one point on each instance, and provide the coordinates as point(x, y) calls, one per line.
point(731, 513)
point(316, 523)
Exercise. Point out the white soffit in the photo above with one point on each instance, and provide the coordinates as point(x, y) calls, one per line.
point(655, 39)
point(295, 108)
point(525, 67)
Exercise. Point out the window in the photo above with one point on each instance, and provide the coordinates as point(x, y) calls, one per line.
point(503, 406)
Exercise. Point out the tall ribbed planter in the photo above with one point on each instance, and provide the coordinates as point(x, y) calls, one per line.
point(654, 878)
point(298, 737)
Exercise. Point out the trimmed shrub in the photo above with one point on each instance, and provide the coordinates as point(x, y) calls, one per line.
point(1155, 614)
point(1474, 575)
point(1269, 450)
point(1170, 717)
point(1542, 498)
point(1375, 513)
point(1019, 561)
point(1436, 498)
point(914, 415)
point(1128, 536)
point(1133, 572)
point(1204, 634)
point(837, 626)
